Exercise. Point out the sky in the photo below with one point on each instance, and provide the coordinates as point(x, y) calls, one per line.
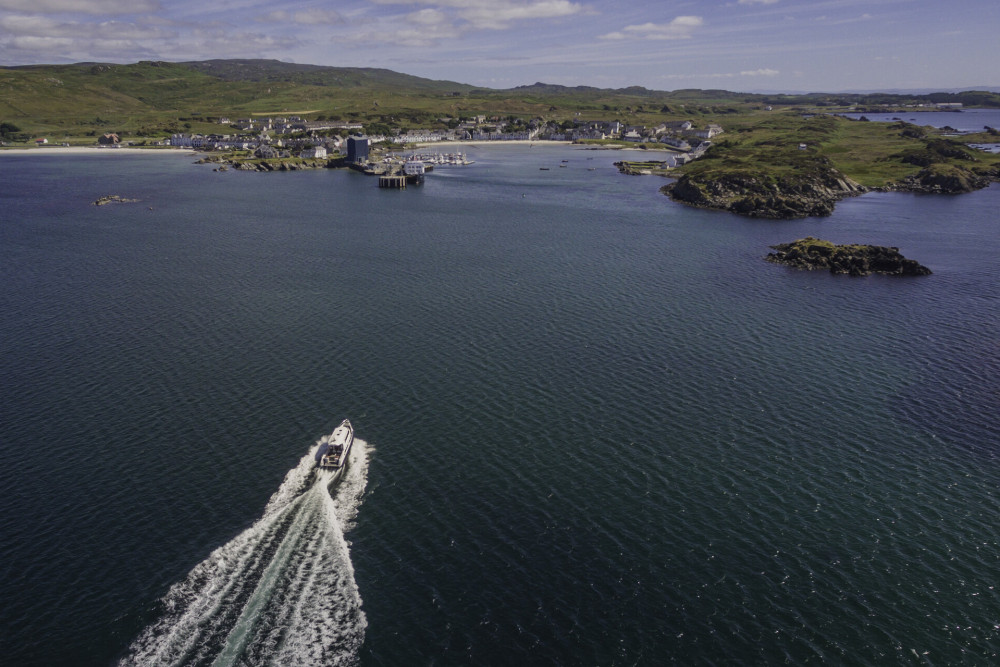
point(738, 45)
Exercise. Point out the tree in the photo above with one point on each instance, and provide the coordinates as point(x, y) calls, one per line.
point(376, 129)
point(11, 132)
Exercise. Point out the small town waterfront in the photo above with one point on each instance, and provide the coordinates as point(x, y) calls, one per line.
point(598, 427)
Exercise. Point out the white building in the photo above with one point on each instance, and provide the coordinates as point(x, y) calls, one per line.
point(314, 152)
point(710, 131)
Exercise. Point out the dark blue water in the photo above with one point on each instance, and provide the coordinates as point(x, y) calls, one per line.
point(598, 428)
point(966, 120)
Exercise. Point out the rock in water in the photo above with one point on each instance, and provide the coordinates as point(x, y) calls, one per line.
point(113, 199)
point(853, 259)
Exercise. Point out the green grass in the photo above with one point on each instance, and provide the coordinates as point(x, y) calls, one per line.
point(767, 147)
point(150, 100)
point(77, 99)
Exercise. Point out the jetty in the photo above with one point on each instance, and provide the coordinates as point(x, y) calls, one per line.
point(397, 181)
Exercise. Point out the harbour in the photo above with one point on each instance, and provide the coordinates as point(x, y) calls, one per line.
point(597, 426)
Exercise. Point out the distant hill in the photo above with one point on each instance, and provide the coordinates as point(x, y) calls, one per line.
point(151, 97)
point(319, 75)
point(71, 98)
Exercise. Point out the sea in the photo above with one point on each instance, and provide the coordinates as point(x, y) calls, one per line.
point(962, 121)
point(594, 426)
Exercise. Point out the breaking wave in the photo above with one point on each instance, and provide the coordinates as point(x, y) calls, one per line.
point(281, 592)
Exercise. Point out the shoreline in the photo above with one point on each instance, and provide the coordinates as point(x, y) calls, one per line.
point(480, 144)
point(92, 150)
point(438, 146)
point(534, 143)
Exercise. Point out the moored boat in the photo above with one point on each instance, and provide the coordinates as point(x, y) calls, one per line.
point(334, 449)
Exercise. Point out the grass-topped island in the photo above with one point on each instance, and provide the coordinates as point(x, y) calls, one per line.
point(793, 166)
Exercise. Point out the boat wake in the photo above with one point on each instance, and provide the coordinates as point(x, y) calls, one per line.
point(282, 592)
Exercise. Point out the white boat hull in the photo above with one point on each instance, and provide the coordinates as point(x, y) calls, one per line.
point(335, 449)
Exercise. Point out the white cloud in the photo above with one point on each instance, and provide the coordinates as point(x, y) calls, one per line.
point(429, 18)
point(422, 28)
point(314, 16)
point(41, 28)
point(723, 75)
point(756, 2)
point(851, 19)
point(36, 38)
point(499, 15)
point(318, 16)
point(279, 16)
point(81, 6)
point(680, 28)
point(440, 21)
point(496, 14)
point(730, 75)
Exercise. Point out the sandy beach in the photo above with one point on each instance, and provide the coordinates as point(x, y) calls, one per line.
point(447, 146)
point(92, 150)
point(435, 146)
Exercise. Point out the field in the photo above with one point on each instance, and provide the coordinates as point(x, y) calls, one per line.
point(148, 101)
point(773, 145)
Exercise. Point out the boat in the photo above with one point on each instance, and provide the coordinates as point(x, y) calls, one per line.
point(334, 449)
point(414, 171)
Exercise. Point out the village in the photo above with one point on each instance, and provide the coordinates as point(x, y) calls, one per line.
point(281, 137)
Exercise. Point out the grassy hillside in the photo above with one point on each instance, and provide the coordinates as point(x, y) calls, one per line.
point(873, 154)
point(786, 165)
point(78, 102)
point(147, 98)
point(156, 98)
point(319, 75)
point(79, 98)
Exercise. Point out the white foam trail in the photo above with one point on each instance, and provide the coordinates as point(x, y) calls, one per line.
point(282, 592)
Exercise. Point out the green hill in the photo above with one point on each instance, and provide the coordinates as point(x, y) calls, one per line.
point(318, 75)
point(87, 96)
point(91, 96)
point(152, 98)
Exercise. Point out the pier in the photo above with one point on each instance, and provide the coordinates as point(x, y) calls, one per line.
point(392, 181)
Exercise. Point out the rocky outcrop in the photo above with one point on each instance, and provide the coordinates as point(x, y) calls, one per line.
point(642, 168)
point(283, 165)
point(113, 199)
point(945, 179)
point(795, 195)
point(852, 259)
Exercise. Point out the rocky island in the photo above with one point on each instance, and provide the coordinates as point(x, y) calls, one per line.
point(113, 199)
point(805, 192)
point(852, 259)
point(799, 167)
